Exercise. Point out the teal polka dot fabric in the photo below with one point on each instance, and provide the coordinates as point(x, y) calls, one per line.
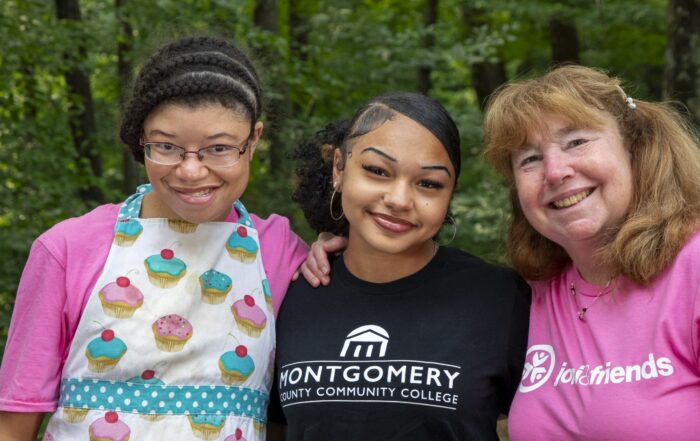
point(162, 399)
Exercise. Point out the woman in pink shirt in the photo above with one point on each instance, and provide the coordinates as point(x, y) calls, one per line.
point(155, 318)
point(605, 193)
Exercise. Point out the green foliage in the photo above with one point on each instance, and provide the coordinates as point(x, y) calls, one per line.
point(316, 69)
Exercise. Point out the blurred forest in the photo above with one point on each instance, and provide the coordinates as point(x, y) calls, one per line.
point(66, 66)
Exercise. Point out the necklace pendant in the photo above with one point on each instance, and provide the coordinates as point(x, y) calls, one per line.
point(582, 313)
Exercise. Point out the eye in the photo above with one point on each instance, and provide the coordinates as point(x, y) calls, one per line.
point(528, 159)
point(429, 183)
point(220, 149)
point(375, 170)
point(576, 142)
point(163, 147)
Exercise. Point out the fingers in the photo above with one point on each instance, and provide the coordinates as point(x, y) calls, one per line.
point(312, 276)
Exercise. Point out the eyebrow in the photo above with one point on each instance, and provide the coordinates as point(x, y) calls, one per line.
point(170, 135)
point(425, 167)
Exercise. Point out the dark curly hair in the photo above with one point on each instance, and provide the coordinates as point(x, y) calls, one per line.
point(315, 156)
point(192, 71)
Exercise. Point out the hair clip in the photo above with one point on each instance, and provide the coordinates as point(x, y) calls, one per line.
point(630, 103)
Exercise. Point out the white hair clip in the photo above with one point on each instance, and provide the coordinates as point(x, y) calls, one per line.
point(630, 103)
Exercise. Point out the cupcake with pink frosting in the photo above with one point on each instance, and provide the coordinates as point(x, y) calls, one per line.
point(236, 436)
point(171, 332)
point(109, 428)
point(250, 318)
point(120, 299)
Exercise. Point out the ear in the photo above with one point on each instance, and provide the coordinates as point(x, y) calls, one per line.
point(337, 171)
point(257, 133)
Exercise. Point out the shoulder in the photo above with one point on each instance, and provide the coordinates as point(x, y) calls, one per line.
point(461, 263)
point(686, 261)
point(495, 282)
point(92, 229)
point(272, 224)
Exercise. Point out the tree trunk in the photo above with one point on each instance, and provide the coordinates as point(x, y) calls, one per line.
point(486, 78)
point(429, 20)
point(487, 75)
point(82, 113)
point(563, 39)
point(682, 60)
point(125, 73)
point(265, 16)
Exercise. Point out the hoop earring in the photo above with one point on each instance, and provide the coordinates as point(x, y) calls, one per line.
point(330, 208)
point(450, 221)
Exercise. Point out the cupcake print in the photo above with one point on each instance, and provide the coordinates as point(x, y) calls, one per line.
point(215, 286)
point(120, 299)
point(126, 232)
point(236, 366)
point(104, 352)
point(207, 427)
point(109, 428)
point(249, 317)
point(242, 247)
point(172, 332)
point(164, 269)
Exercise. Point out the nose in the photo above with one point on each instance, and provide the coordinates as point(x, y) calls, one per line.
point(398, 196)
point(557, 168)
point(191, 167)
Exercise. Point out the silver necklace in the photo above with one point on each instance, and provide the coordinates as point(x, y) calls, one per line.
point(581, 313)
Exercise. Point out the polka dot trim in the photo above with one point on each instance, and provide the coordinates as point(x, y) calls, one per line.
point(162, 399)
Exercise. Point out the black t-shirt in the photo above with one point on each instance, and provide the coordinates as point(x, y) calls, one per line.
point(436, 355)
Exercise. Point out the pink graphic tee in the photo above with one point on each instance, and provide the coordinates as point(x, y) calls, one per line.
point(629, 371)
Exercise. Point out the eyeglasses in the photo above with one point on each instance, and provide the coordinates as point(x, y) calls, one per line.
point(219, 155)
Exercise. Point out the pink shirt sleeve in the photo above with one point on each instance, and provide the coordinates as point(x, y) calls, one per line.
point(282, 253)
point(61, 271)
point(33, 359)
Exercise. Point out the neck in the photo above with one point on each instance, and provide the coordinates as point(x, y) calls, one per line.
point(152, 207)
point(591, 268)
point(378, 267)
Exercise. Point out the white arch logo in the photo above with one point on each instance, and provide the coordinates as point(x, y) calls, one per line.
point(539, 365)
point(366, 337)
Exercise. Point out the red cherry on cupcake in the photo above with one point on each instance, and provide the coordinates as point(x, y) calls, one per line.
point(111, 417)
point(107, 335)
point(249, 300)
point(167, 254)
point(241, 351)
point(123, 281)
point(239, 434)
point(242, 231)
point(148, 374)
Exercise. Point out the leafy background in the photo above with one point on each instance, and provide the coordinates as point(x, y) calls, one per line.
point(319, 60)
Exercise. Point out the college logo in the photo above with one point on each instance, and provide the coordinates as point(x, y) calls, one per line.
point(539, 365)
point(366, 338)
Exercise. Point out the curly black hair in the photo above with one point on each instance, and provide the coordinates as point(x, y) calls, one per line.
point(192, 71)
point(314, 156)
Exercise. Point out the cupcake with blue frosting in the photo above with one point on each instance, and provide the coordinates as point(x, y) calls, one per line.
point(241, 246)
point(215, 286)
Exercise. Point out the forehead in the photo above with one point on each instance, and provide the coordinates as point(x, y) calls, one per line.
point(405, 140)
point(185, 117)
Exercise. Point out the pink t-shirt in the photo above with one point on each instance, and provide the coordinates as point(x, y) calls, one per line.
point(630, 371)
point(63, 267)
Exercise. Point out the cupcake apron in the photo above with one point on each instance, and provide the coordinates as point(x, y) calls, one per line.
point(177, 338)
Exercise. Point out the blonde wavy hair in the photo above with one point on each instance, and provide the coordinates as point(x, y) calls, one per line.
point(665, 209)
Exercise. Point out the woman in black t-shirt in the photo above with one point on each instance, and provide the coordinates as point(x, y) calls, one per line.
point(410, 340)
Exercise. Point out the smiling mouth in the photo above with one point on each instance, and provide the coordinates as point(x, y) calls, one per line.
point(391, 223)
point(571, 200)
point(196, 193)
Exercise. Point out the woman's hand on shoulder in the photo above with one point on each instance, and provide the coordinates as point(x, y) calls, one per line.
point(316, 268)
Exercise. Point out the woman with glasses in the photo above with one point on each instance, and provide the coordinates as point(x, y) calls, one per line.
point(155, 318)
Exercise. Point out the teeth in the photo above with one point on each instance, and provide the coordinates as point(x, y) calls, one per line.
point(571, 200)
point(201, 193)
